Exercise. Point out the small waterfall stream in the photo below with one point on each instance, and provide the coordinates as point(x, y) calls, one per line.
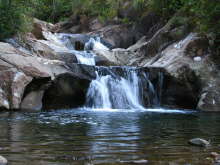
point(115, 92)
point(129, 89)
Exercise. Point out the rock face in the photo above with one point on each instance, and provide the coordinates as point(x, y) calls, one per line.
point(46, 69)
point(18, 71)
point(33, 101)
point(31, 82)
point(199, 77)
point(39, 27)
point(186, 58)
point(119, 36)
point(65, 92)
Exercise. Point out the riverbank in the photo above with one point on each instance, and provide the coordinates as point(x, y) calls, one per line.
point(45, 62)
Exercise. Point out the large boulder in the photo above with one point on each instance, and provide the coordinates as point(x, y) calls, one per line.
point(193, 75)
point(36, 83)
point(47, 49)
point(139, 50)
point(66, 91)
point(39, 27)
point(119, 36)
point(189, 62)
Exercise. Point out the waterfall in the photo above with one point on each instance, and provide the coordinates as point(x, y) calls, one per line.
point(95, 44)
point(66, 43)
point(113, 88)
point(127, 91)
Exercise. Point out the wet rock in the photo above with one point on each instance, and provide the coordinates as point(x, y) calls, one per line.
point(83, 71)
point(79, 46)
point(199, 142)
point(182, 91)
point(27, 81)
point(198, 81)
point(66, 91)
point(103, 61)
point(3, 161)
point(117, 56)
point(17, 71)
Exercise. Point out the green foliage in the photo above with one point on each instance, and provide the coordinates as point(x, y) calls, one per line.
point(103, 9)
point(49, 10)
point(140, 4)
point(203, 14)
point(166, 8)
point(15, 14)
point(10, 19)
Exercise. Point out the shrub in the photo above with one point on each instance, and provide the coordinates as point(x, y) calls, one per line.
point(10, 19)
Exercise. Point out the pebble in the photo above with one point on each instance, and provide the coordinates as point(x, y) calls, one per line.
point(3, 161)
point(140, 161)
point(197, 59)
point(199, 142)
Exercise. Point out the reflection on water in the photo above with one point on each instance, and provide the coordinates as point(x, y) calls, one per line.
point(102, 137)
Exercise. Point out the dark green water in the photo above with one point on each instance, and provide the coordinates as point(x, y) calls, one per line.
point(100, 137)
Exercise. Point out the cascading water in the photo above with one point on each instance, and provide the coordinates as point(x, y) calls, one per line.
point(127, 91)
point(64, 42)
point(128, 88)
point(95, 44)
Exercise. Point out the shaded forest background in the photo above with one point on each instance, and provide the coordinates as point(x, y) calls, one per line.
point(16, 15)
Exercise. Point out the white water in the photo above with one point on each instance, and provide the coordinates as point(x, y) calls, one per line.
point(120, 92)
point(95, 44)
point(84, 57)
point(110, 91)
point(61, 42)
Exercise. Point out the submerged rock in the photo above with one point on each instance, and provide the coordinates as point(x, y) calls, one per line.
point(3, 161)
point(199, 142)
point(197, 59)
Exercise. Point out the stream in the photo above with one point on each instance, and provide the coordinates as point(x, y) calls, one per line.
point(113, 127)
point(85, 136)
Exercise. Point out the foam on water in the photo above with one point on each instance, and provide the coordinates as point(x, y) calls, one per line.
point(61, 42)
point(127, 91)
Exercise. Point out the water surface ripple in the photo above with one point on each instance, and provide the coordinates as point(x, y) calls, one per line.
point(82, 136)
